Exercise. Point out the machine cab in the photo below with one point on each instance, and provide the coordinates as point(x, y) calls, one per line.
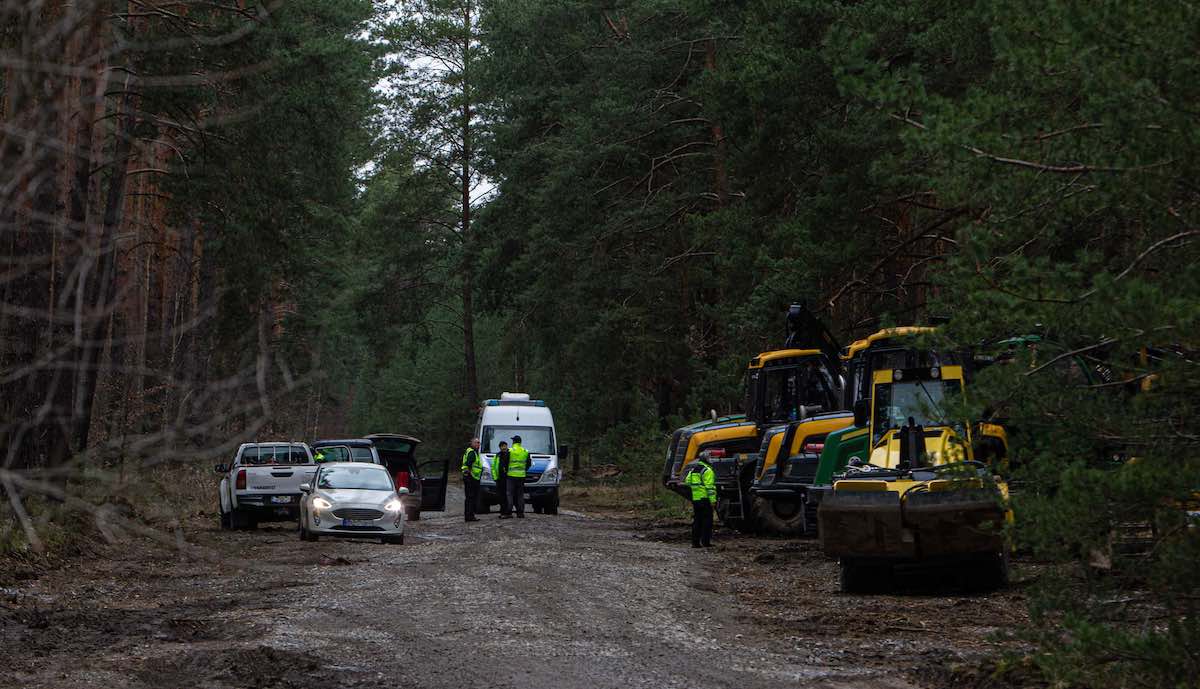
point(910, 422)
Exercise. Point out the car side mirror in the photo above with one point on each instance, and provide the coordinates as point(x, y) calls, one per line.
point(305, 487)
point(860, 413)
point(401, 491)
point(563, 451)
point(221, 468)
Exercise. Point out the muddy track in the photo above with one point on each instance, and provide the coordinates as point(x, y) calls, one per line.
point(566, 601)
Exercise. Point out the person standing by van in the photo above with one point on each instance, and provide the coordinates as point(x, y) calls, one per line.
point(500, 467)
point(472, 469)
point(518, 464)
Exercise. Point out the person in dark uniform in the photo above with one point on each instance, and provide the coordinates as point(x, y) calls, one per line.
point(500, 465)
point(472, 469)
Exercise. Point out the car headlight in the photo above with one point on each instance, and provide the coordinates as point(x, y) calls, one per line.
point(394, 506)
point(321, 503)
point(550, 476)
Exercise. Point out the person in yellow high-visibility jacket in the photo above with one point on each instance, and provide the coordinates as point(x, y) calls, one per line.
point(702, 481)
point(472, 470)
point(518, 464)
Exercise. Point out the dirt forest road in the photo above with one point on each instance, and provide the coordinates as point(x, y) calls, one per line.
point(565, 601)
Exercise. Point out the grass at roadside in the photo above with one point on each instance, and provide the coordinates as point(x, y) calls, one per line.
point(639, 498)
point(106, 505)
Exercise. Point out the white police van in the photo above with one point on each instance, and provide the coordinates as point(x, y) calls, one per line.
point(512, 415)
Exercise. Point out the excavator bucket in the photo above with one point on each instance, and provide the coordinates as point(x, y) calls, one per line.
point(863, 524)
point(955, 522)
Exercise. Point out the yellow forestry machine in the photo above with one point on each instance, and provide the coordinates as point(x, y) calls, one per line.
point(922, 495)
point(802, 382)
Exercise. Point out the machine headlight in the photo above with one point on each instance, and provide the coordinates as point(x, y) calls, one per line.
point(321, 503)
point(551, 475)
point(394, 506)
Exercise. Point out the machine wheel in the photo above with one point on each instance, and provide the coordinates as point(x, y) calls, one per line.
point(785, 517)
point(304, 535)
point(538, 508)
point(226, 523)
point(393, 540)
point(859, 578)
point(551, 505)
point(484, 507)
point(992, 572)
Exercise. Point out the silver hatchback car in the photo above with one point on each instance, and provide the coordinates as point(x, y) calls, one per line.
point(352, 500)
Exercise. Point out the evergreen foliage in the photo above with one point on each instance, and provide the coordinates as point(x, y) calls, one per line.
point(670, 175)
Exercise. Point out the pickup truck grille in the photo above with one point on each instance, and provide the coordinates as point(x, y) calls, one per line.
point(351, 513)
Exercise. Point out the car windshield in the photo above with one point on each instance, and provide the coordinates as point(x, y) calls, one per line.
point(354, 478)
point(257, 455)
point(539, 440)
point(924, 401)
point(342, 453)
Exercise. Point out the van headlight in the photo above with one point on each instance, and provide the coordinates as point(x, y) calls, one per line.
point(551, 475)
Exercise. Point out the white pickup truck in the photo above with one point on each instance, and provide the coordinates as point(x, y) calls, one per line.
point(263, 483)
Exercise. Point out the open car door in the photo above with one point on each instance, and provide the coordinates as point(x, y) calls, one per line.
point(399, 453)
point(434, 474)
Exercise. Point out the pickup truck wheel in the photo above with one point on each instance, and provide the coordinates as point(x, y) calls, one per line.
point(241, 521)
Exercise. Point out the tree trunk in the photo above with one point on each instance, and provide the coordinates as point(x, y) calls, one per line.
point(105, 286)
point(471, 387)
point(720, 173)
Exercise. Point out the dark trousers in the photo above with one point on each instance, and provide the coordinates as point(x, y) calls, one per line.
point(502, 493)
point(516, 493)
point(702, 522)
point(470, 496)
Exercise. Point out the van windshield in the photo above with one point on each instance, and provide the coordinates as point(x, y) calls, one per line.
point(539, 440)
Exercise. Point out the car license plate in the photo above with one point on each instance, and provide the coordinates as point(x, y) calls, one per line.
point(357, 522)
point(281, 499)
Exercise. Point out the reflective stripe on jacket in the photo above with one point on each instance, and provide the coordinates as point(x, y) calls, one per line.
point(703, 481)
point(471, 464)
point(518, 461)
